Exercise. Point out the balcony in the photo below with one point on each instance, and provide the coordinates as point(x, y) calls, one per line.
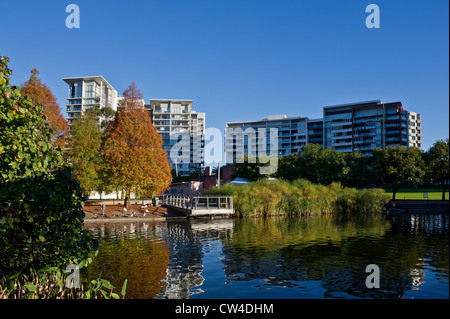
point(74, 109)
point(343, 149)
point(74, 96)
point(342, 143)
point(340, 139)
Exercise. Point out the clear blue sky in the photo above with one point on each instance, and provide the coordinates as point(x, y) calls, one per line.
point(243, 59)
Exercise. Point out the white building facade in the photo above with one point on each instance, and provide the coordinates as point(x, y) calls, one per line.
point(87, 92)
point(275, 135)
point(183, 132)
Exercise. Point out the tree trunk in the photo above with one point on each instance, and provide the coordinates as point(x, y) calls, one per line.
point(394, 191)
point(127, 199)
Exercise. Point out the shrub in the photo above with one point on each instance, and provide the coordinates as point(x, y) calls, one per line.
point(41, 217)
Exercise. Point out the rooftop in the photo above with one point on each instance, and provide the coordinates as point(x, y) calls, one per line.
point(96, 78)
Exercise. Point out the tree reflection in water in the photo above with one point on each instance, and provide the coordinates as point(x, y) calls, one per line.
point(321, 256)
point(335, 251)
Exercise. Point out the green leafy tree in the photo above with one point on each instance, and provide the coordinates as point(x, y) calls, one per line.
point(289, 167)
point(332, 166)
point(399, 166)
point(360, 170)
point(41, 218)
point(249, 168)
point(84, 152)
point(316, 164)
point(437, 163)
point(309, 164)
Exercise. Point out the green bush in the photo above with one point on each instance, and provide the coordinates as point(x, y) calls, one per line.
point(41, 216)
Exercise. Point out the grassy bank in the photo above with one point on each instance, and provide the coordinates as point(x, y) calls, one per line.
point(417, 193)
point(264, 198)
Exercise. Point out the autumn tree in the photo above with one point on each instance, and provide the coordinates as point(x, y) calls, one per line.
point(132, 150)
point(132, 98)
point(41, 94)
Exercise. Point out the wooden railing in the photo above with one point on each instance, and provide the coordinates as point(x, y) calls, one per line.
point(198, 202)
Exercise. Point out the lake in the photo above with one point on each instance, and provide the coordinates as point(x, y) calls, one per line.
point(290, 258)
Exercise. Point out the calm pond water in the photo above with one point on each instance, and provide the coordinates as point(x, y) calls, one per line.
point(305, 257)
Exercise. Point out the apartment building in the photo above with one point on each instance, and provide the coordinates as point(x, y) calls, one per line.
point(273, 135)
point(182, 131)
point(360, 126)
point(414, 130)
point(87, 92)
point(315, 131)
point(367, 125)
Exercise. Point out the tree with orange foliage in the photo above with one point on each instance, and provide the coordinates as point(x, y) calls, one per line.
point(40, 93)
point(132, 98)
point(133, 152)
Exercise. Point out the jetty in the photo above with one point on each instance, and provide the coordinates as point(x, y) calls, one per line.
point(417, 206)
point(199, 205)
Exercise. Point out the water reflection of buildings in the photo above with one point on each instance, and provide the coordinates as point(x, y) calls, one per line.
point(114, 230)
point(186, 240)
point(427, 224)
point(183, 276)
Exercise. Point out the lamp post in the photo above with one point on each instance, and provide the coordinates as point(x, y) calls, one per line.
point(218, 175)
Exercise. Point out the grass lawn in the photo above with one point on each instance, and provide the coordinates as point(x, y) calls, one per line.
point(417, 193)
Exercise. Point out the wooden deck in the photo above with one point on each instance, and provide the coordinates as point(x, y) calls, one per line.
point(199, 205)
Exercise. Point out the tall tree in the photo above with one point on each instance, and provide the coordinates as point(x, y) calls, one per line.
point(132, 98)
point(399, 166)
point(316, 164)
point(84, 152)
point(40, 93)
point(437, 163)
point(133, 152)
point(247, 167)
point(360, 170)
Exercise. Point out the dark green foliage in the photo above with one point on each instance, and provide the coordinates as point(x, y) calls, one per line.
point(41, 217)
point(437, 164)
point(399, 167)
point(249, 168)
point(325, 165)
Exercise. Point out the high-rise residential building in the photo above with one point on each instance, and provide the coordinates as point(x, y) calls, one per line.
point(414, 129)
point(182, 131)
point(352, 127)
point(86, 92)
point(364, 126)
point(274, 135)
point(315, 131)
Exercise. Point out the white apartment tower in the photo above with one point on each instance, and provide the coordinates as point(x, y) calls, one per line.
point(182, 131)
point(87, 92)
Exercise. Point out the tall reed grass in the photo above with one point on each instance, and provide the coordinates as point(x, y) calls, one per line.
point(300, 197)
